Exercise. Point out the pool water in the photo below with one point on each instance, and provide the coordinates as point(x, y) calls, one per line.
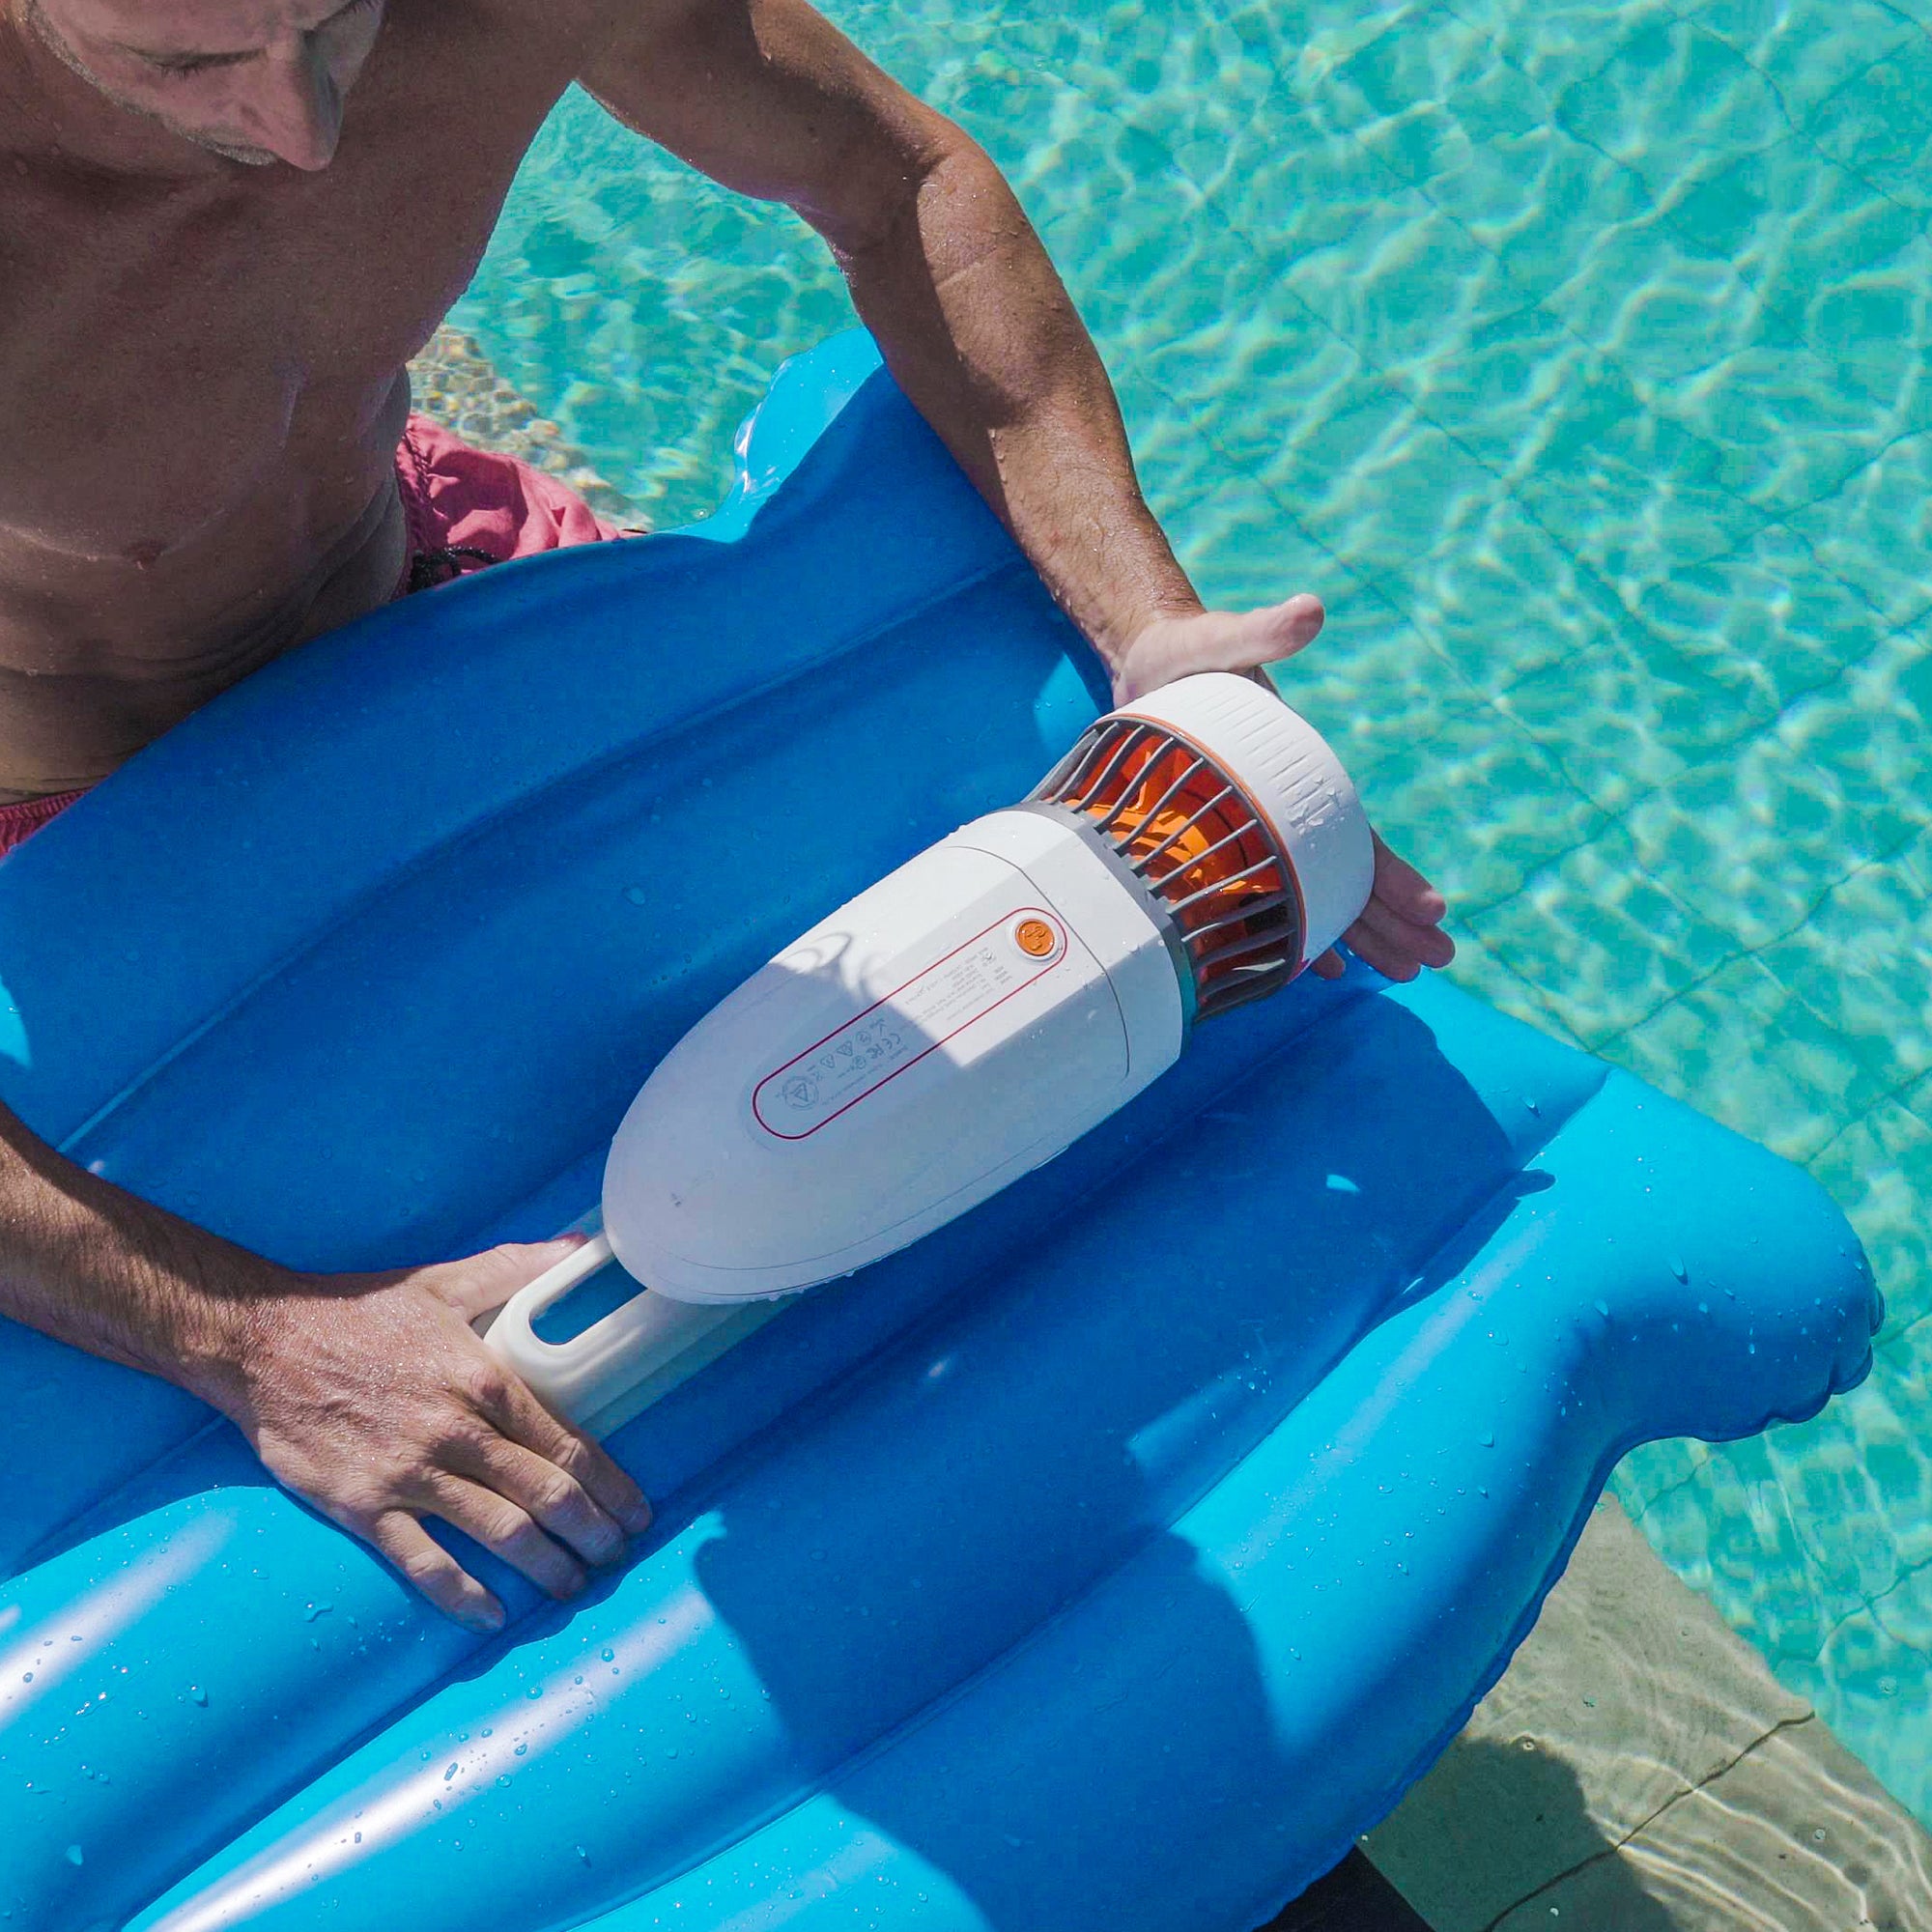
point(1577, 356)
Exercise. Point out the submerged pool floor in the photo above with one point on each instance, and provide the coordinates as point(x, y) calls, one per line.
point(1577, 356)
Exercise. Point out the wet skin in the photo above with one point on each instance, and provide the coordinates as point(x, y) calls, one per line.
point(225, 226)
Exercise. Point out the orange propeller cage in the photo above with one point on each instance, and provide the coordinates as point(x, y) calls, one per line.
point(1197, 844)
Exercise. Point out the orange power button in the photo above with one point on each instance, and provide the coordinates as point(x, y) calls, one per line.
point(1035, 938)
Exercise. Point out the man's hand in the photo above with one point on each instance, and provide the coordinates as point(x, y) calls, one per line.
point(1400, 931)
point(372, 1397)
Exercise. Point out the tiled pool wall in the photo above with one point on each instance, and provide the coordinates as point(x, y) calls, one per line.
point(1576, 356)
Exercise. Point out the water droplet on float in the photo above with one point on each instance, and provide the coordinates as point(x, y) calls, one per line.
point(1678, 1268)
point(520, 1750)
point(199, 1696)
point(637, 895)
point(607, 1652)
point(75, 1856)
point(1488, 1439)
point(1602, 1308)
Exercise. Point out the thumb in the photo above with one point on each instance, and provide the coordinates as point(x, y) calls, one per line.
point(1233, 641)
point(1267, 635)
point(485, 1282)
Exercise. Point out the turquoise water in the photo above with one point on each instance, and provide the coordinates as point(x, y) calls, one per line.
point(1576, 356)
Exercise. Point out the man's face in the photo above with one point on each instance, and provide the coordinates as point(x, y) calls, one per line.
point(257, 81)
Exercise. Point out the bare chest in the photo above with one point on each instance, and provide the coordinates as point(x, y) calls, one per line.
point(170, 353)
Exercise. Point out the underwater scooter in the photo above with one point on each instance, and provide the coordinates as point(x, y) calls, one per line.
point(956, 1025)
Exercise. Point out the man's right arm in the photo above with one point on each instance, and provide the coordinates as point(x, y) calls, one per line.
point(369, 1395)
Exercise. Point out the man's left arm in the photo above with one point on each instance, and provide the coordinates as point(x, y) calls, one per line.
point(767, 98)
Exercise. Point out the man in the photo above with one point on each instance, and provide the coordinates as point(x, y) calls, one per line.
point(225, 226)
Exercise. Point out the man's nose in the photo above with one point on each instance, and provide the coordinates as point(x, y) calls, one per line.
point(300, 108)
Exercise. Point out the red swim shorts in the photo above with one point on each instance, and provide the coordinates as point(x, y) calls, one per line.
point(465, 509)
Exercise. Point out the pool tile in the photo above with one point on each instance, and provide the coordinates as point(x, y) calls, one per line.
point(1795, 426)
point(1322, 34)
point(1629, 714)
point(1870, 1680)
point(1792, 220)
point(1337, 201)
point(1607, 945)
point(1670, 88)
point(1805, 52)
point(1733, 1530)
point(1863, 961)
point(1504, 392)
point(1742, 1046)
point(1399, 276)
point(1243, 551)
point(1346, 429)
point(1878, 1170)
point(1653, 1469)
point(1660, 308)
point(1411, 491)
point(1637, 495)
point(1859, 1491)
point(1562, 43)
point(1874, 122)
point(1541, 202)
point(1503, 600)
point(1372, 683)
point(1484, 805)
point(1866, 737)
point(1875, 534)
point(1483, 973)
point(1421, 98)
point(1725, 854)
point(1256, 375)
point(1767, 614)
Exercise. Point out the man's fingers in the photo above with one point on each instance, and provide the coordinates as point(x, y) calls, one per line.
point(1427, 945)
point(435, 1572)
point(550, 1495)
point(1401, 887)
point(486, 1281)
point(1329, 966)
point(523, 1418)
point(1396, 948)
point(506, 1530)
point(1391, 961)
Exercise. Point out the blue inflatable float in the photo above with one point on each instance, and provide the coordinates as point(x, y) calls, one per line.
point(1112, 1558)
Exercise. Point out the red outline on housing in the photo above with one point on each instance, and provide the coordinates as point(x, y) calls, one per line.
point(1061, 934)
